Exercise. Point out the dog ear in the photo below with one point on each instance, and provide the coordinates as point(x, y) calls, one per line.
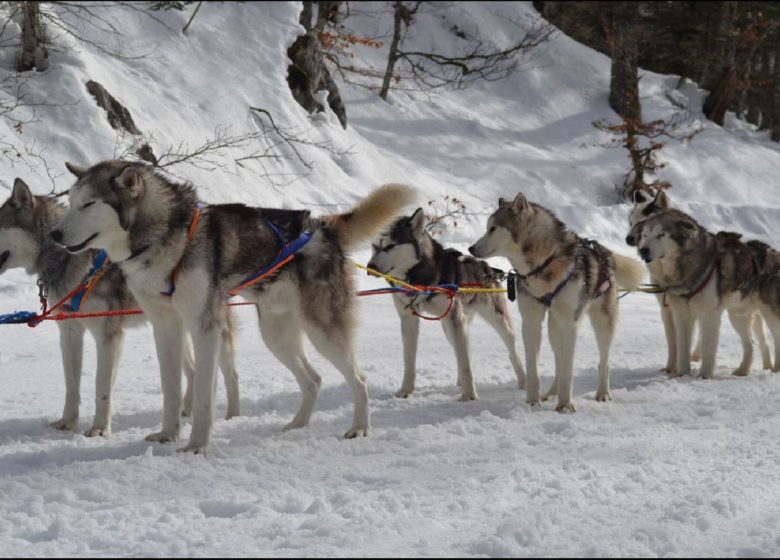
point(502, 202)
point(662, 200)
point(21, 195)
point(519, 203)
point(130, 181)
point(417, 221)
point(77, 170)
point(640, 196)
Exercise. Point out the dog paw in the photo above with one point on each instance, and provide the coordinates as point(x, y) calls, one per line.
point(66, 424)
point(706, 374)
point(96, 431)
point(741, 372)
point(767, 366)
point(566, 407)
point(521, 384)
point(194, 449)
point(695, 357)
point(404, 393)
point(466, 397)
point(161, 437)
point(668, 369)
point(534, 403)
point(294, 424)
point(231, 414)
point(602, 396)
point(356, 432)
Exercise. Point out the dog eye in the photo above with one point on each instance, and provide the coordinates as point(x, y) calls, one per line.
point(660, 235)
point(87, 205)
point(388, 247)
point(492, 229)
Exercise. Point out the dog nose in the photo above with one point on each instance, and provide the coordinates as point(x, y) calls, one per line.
point(471, 250)
point(630, 240)
point(56, 235)
point(644, 252)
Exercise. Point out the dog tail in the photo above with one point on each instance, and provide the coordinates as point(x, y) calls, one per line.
point(372, 214)
point(629, 273)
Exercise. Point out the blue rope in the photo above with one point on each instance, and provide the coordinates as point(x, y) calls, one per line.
point(286, 251)
point(97, 264)
point(17, 318)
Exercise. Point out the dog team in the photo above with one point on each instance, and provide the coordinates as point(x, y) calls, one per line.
point(180, 261)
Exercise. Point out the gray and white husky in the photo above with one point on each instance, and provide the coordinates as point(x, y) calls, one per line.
point(703, 274)
point(144, 222)
point(646, 204)
point(566, 275)
point(26, 222)
point(408, 252)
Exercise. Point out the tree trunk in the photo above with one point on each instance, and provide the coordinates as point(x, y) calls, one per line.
point(776, 92)
point(308, 74)
point(392, 56)
point(622, 37)
point(33, 53)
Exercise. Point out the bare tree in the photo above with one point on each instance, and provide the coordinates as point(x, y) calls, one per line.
point(33, 54)
point(621, 25)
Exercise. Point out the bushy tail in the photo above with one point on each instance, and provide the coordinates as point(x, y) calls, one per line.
point(629, 273)
point(372, 215)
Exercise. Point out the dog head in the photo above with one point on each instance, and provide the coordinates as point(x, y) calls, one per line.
point(504, 228)
point(103, 204)
point(666, 235)
point(400, 248)
point(646, 203)
point(19, 244)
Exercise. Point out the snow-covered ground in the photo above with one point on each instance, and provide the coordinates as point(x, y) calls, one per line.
point(669, 467)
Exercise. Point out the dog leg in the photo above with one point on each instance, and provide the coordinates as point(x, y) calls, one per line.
point(758, 330)
point(188, 365)
point(697, 352)
point(497, 316)
point(533, 314)
point(227, 364)
point(283, 335)
point(337, 347)
point(457, 333)
point(168, 341)
point(72, 347)
point(683, 324)
point(109, 336)
point(566, 329)
point(709, 325)
point(604, 321)
point(741, 321)
point(773, 322)
point(207, 342)
point(410, 335)
point(555, 340)
point(671, 336)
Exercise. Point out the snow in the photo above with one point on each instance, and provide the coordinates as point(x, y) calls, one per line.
point(670, 467)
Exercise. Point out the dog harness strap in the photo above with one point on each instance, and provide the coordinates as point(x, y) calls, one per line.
point(539, 268)
point(287, 253)
point(99, 265)
point(548, 298)
point(706, 281)
point(190, 236)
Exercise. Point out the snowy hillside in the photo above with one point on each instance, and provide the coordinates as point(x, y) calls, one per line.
point(669, 467)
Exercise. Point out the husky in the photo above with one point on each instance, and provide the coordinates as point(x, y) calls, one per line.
point(408, 252)
point(565, 274)
point(26, 222)
point(647, 203)
point(182, 261)
point(767, 261)
point(703, 274)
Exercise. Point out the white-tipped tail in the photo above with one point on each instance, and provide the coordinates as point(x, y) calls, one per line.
point(629, 273)
point(372, 214)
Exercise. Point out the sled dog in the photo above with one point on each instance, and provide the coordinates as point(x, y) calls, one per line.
point(26, 222)
point(182, 261)
point(408, 252)
point(646, 204)
point(768, 262)
point(559, 272)
point(703, 274)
